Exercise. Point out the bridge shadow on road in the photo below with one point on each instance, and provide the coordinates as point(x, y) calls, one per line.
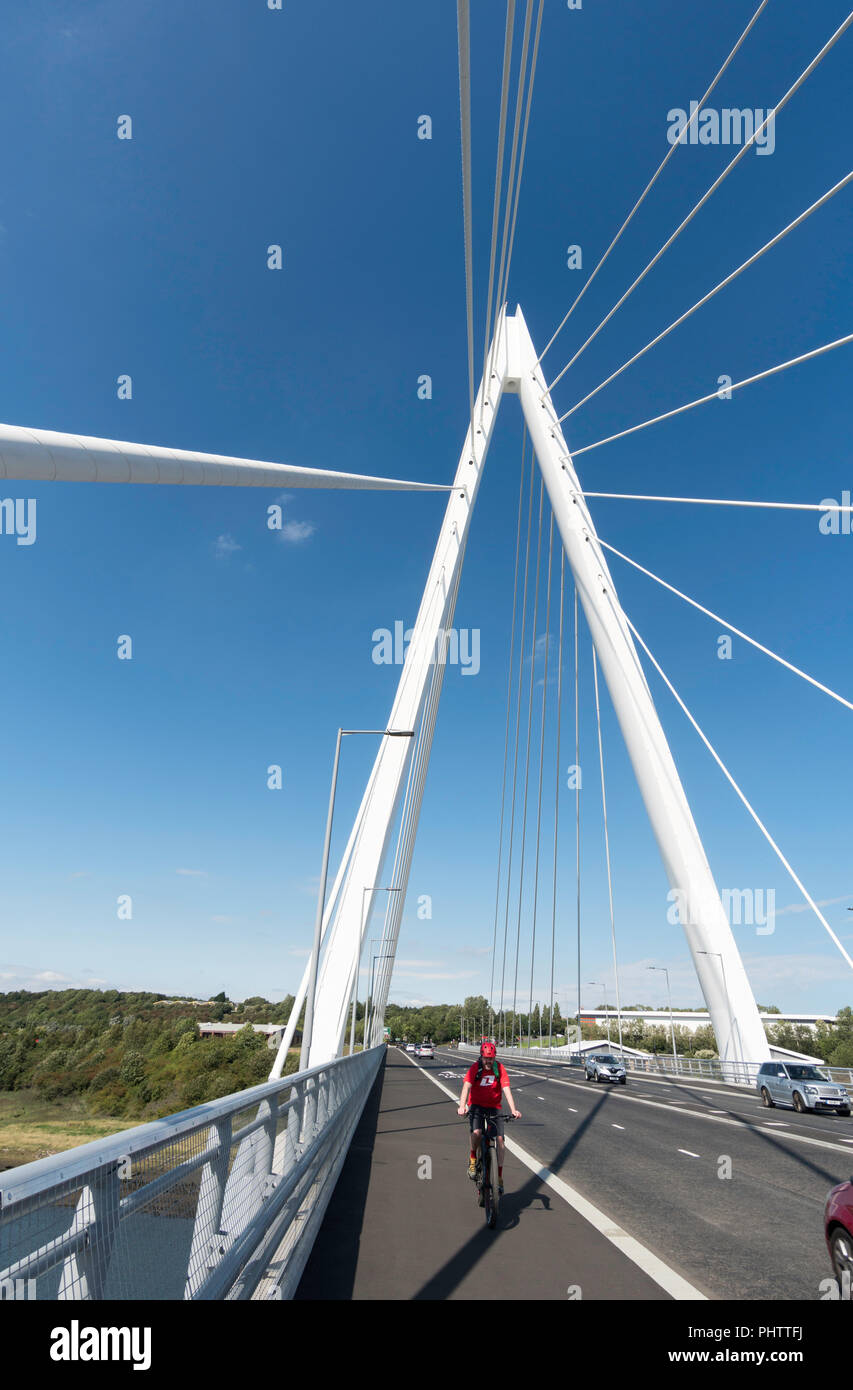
point(403, 1222)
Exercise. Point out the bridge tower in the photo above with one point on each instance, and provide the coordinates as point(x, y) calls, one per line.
point(512, 368)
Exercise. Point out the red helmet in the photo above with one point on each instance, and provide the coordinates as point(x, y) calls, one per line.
point(488, 1049)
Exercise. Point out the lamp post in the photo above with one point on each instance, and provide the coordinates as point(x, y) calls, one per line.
point(310, 996)
point(726, 992)
point(380, 955)
point(606, 1014)
point(377, 889)
point(669, 997)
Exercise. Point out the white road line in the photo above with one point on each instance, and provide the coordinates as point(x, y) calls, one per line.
point(617, 1126)
point(640, 1255)
point(540, 1097)
point(574, 1112)
point(689, 1153)
point(719, 1117)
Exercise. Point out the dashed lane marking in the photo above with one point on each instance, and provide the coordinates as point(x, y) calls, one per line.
point(639, 1254)
point(689, 1153)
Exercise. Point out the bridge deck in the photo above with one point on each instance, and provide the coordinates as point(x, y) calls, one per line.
point(389, 1234)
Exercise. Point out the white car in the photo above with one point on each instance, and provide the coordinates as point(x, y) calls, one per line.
point(410, 1047)
point(426, 1050)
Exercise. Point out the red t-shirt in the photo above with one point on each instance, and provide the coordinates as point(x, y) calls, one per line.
point(489, 1091)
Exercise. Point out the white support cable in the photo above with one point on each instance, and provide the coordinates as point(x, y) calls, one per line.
point(736, 630)
point(541, 771)
point(463, 21)
point(653, 180)
point(842, 183)
point(523, 147)
point(557, 788)
point(577, 804)
point(725, 502)
point(499, 170)
point(714, 186)
point(517, 719)
point(527, 748)
point(409, 823)
point(765, 832)
point(522, 70)
point(506, 736)
point(715, 395)
point(607, 845)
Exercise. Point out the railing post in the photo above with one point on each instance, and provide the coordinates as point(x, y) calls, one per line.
point(84, 1275)
point(209, 1239)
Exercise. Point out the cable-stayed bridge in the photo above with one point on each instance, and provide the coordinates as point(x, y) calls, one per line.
point(226, 1201)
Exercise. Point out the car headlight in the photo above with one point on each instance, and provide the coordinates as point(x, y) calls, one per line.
point(811, 1090)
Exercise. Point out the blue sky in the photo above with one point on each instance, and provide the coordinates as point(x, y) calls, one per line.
point(148, 257)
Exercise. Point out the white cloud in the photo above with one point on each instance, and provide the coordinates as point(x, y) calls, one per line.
point(295, 532)
point(15, 977)
point(804, 907)
point(225, 546)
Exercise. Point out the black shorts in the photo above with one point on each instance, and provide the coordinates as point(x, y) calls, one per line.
point(476, 1113)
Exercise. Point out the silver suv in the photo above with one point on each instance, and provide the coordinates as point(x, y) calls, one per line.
point(802, 1086)
point(602, 1066)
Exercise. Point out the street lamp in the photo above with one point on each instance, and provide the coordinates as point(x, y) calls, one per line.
point(725, 991)
point(669, 997)
point(310, 997)
point(606, 1014)
point(377, 889)
point(370, 1014)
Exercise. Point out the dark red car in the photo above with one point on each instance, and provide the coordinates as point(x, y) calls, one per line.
point(838, 1225)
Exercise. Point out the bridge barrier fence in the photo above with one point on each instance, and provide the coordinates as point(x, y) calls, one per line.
point(222, 1201)
point(711, 1069)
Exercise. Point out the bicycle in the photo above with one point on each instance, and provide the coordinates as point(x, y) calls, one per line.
point(487, 1183)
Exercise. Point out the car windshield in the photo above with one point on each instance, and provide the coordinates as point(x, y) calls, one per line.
point(806, 1074)
point(608, 1060)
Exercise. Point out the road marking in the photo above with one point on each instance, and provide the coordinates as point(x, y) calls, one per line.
point(639, 1254)
point(617, 1126)
point(775, 1124)
point(719, 1117)
point(574, 1112)
point(689, 1153)
point(540, 1097)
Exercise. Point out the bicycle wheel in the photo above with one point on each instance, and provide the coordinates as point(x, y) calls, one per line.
point(494, 1193)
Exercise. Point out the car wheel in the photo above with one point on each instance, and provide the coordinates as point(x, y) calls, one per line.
point(623, 1080)
point(799, 1104)
point(765, 1097)
point(841, 1248)
point(844, 1112)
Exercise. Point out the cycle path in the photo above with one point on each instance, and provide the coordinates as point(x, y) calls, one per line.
point(403, 1221)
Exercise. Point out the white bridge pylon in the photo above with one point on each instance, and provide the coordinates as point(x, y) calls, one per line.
point(46, 455)
point(719, 968)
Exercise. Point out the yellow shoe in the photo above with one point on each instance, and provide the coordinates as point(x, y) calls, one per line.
point(472, 1168)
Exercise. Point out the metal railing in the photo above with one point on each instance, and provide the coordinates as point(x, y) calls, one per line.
point(737, 1073)
point(219, 1202)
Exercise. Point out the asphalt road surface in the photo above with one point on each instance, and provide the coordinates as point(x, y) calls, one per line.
point(724, 1194)
point(403, 1222)
point(652, 1154)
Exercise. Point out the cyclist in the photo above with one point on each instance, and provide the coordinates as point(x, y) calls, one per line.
point(486, 1083)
